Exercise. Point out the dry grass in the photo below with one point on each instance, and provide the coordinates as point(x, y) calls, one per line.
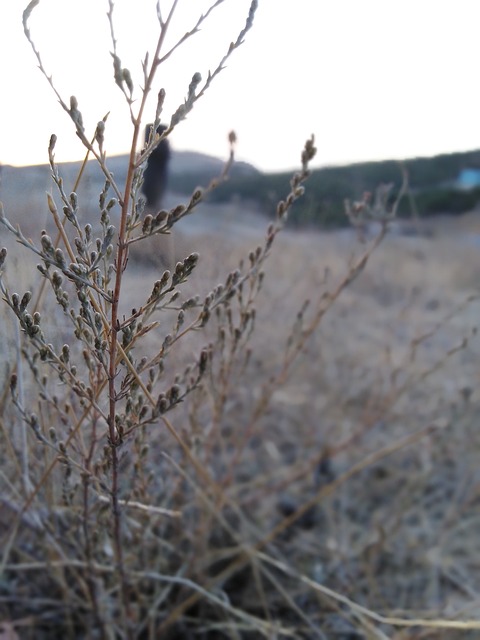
point(292, 454)
point(376, 447)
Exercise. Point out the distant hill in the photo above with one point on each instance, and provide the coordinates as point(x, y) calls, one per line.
point(15, 181)
point(22, 188)
point(435, 185)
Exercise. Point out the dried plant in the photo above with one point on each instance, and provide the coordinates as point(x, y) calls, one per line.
point(126, 512)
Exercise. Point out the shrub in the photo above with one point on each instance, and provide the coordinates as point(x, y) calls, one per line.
point(138, 503)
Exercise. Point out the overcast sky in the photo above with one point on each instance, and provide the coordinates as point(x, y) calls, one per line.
point(371, 79)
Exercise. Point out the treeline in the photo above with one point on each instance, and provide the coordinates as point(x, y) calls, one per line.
point(433, 188)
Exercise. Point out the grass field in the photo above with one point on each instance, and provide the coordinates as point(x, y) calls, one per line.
point(349, 481)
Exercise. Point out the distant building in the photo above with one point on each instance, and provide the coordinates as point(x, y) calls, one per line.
point(468, 179)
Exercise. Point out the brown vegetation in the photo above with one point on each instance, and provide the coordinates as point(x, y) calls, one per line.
point(277, 439)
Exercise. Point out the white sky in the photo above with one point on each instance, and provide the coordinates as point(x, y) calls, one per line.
point(371, 79)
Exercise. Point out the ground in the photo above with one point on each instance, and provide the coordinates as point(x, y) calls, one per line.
point(373, 433)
